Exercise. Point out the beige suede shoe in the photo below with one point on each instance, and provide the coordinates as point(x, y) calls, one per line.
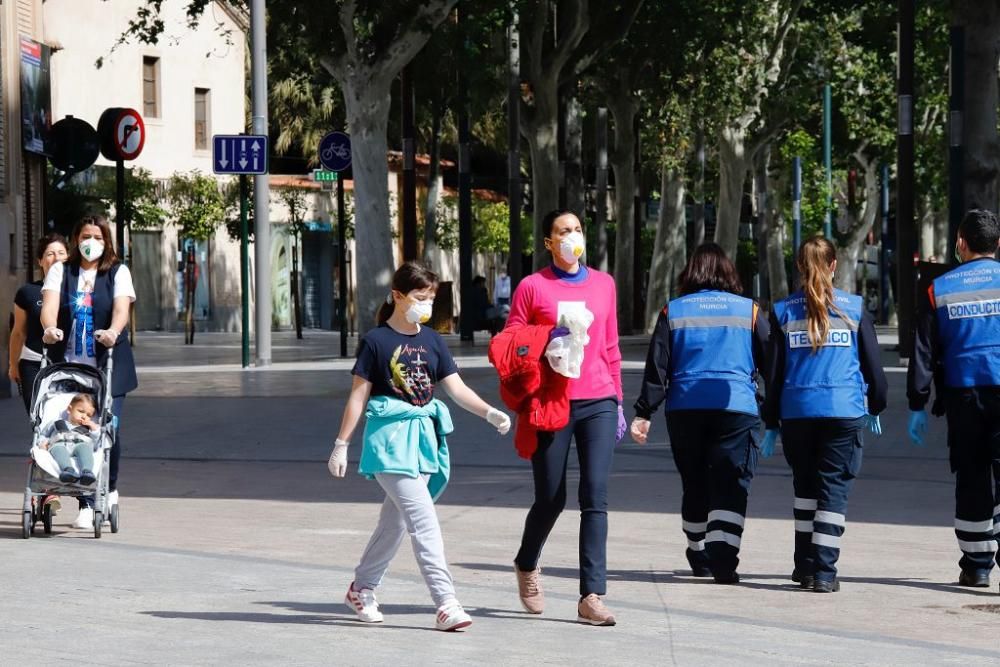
point(591, 610)
point(529, 589)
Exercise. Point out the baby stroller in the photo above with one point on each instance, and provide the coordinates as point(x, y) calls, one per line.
point(55, 385)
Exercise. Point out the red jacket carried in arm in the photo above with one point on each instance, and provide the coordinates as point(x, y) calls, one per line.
point(528, 386)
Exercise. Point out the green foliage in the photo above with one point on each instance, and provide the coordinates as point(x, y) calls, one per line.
point(294, 199)
point(143, 204)
point(197, 205)
point(491, 227)
point(231, 200)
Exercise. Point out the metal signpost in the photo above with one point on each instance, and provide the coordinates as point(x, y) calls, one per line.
point(122, 134)
point(242, 154)
point(335, 155)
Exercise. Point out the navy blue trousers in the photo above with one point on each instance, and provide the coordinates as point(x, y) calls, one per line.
point(716, 455)
point(114, 456)
point(593, 424)
point(825, 456)
point(974, 444)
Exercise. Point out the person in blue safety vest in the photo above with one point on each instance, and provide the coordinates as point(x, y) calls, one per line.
point(958, 340)
point(823, 363)
point(703, 359)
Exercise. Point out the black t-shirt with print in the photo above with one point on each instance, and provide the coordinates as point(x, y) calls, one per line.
point(404, 366)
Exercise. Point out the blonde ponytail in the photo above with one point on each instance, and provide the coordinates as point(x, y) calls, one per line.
point(814, 260)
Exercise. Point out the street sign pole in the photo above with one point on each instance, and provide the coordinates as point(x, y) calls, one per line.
point(796, 214)
point(245, 269)
point(342, 266)
point(261, 186)
point(120, 220)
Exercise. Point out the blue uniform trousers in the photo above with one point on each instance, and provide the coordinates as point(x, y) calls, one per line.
point(825, 457)
point(716, 455)
point(974, 442)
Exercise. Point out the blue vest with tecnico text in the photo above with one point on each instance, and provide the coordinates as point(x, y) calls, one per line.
point(967, 303)
point(826, 383)
point(711, 353)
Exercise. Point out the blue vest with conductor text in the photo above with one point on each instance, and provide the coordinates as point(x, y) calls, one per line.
point(967, 303)
point(826, 383)
point(711, 353)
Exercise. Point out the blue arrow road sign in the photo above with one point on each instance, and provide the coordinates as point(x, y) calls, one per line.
point(335, 151)
point(239, 154)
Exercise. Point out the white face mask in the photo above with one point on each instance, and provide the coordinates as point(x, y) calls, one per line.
point(91, 249)
point(419, 312)
point(571, 247)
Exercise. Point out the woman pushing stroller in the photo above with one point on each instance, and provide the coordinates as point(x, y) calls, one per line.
point(399, 364)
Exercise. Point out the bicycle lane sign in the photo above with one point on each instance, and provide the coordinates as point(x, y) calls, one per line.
point(335, 151)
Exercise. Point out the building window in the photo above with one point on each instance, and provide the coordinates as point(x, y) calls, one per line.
point(150, 87)
point(201, 119)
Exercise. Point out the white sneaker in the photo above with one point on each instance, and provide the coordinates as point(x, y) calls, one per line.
point(451, 617)
point(85, 519)
point(109, 502)
point(364, 604)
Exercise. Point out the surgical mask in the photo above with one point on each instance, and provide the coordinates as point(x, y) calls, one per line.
point(419, 312)
point(91, 249)
point(571, 247)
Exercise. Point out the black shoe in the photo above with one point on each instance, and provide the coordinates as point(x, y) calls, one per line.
point(803, 580)
point(730, 577)
point(87, 478)
point(823, 586)
point(67, 476)
point(701, 571)
point(974, 579)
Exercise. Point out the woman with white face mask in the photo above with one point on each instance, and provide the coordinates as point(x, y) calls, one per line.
point(596, 422)
point(405, 449)
point(85, 310)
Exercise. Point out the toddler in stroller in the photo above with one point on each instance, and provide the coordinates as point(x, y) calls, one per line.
point(70, 453)
point(73, 438)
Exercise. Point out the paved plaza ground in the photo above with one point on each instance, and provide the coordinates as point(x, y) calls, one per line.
point(236, 545)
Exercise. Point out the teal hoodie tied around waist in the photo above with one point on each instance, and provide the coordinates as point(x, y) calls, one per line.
point(405, 439)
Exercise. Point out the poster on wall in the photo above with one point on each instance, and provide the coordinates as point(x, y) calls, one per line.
point(36, 97)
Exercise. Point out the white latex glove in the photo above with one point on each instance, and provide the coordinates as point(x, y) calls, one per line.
point(337, 465)
point(498, 420)
point(52, 335)
point(639, 430)
point(106, 337)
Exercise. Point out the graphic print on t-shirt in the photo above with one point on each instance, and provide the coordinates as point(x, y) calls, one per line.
point(82, 344)
point(411, 379)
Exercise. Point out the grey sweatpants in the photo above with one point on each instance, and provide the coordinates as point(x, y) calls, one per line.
point(408, 508)
point(82, 452)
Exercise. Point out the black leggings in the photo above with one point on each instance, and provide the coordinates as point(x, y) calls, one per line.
point(28, 370)
point(593, 423)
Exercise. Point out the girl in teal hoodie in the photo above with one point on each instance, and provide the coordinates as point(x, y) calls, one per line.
point(398, 365)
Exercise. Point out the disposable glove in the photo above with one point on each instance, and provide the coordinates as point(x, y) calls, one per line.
point(499, 420)
point(874, 425)
point(767, 445)
point(917, 427)
point(640, 430)
point(52, 335)
point(337, 465)
point(622, 425)
point(106, 337)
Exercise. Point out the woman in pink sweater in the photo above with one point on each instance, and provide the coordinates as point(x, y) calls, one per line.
point(596, 421)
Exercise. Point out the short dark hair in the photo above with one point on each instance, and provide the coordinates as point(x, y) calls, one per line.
point(408, 277)
point(551, 217)
point(709, 268)
point(46, 241)
point(980, 230)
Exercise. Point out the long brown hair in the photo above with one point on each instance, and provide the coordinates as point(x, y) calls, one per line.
point(814, 260)
point(709, 268)
point(109, 258)
point(408, 277)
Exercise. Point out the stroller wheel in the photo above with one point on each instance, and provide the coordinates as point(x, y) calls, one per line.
point(114, 518)
point(27, 525)
point(47, 519)
point(98, 524)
